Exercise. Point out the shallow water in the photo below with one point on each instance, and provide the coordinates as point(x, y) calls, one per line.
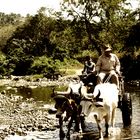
point(118, 133)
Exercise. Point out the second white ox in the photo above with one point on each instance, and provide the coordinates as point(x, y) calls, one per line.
point(103, 102)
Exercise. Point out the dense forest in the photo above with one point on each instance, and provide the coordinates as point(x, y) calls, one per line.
point(50, 41)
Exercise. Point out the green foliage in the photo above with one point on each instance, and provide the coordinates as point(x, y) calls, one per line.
point(66, 43)
point(29, 42)
point(81, 57)
point(43, 44)
point(104, 21)
point(5, 33)
point(9, 19)
point(132, 41)
point(68, 66)
point(2, 62)
point(44, 64)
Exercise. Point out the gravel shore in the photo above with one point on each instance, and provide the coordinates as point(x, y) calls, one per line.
point(24, 119)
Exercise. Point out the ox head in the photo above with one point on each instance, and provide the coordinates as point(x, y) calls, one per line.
point(60, 100)
point(63, 104)
point(90, 102)
point(86, 105)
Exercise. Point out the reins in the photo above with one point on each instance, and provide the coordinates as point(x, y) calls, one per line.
point(108, 78)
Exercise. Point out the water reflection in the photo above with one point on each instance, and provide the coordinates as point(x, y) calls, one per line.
point(37, 93)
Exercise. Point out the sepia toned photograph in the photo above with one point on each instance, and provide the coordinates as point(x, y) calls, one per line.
point(69, 70)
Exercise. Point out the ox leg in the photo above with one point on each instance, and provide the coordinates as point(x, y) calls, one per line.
point(82, 121)
point(69, 126)
point(99, 126)
point(107, 118)
point(77, 121)
point(76, 118)
point(113, 117)
point(106, 129)
point(61, 134)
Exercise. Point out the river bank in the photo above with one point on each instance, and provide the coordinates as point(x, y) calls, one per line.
point(20, 116)
point(26, 119)
point(17, 81)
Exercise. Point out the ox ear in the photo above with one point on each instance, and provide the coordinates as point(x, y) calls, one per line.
point(98, 98)
point(99, 93)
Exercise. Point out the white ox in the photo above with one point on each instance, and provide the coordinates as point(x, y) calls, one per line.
point(102, 103)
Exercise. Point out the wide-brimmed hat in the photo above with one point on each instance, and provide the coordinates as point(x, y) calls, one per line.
point(107, 48)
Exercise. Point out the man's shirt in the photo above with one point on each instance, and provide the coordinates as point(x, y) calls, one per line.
point(108, 63)
point(89, 67)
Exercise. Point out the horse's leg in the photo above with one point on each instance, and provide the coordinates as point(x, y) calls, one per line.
point(62, 134)
point(99, 126)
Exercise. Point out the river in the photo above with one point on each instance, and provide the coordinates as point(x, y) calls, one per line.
point(119, 133)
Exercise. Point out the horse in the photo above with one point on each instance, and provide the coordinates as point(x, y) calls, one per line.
point(102, 103)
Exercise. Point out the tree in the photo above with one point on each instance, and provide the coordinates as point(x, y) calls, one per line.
point(33, 40)
point(28, 41)
point(132, 41)
point(104, 20)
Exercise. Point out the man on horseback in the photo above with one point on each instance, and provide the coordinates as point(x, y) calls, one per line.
point(108, 64)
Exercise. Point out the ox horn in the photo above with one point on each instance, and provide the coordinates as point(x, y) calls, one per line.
point(60, 97)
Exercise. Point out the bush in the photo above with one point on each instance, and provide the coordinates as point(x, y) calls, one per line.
point(44, 64)
point(81, 57)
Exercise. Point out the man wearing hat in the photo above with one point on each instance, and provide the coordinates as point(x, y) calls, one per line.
point(108, 64)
